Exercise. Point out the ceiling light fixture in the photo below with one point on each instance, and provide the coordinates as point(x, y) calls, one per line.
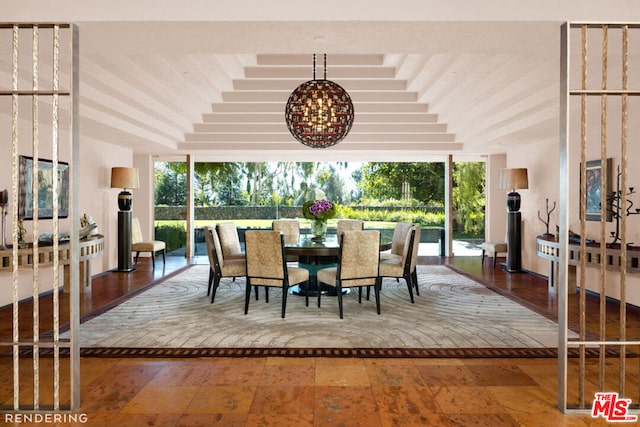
point(319, 113)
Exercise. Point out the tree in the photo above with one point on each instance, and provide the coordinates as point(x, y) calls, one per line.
point(332, 184)
point(469, 195)
point(170, 186)
point(421, 181)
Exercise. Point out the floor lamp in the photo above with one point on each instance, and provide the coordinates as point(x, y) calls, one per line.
point(512, 180)
point(125, 178)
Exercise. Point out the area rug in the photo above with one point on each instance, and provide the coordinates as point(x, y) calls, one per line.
point(453, 316)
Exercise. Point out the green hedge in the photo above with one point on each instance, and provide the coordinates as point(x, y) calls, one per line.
point(173, 235)
point(425, 219)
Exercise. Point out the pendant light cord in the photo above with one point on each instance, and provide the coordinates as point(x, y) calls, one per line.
point(325, 66)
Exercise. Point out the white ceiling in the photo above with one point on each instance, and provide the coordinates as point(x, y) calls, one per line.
point(425, 82)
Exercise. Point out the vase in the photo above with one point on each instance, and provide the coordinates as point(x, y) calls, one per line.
point(318, 229)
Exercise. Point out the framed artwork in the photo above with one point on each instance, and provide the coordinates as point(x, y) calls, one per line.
point(45, 189)
point(594, 190)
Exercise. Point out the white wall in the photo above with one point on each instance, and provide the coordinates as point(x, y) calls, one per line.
point(542, 161)
point(496, 200)
point(95, 199)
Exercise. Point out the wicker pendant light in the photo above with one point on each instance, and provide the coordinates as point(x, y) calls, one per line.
point(319, 113)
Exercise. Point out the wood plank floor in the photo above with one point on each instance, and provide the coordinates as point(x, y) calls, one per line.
point(310, 391)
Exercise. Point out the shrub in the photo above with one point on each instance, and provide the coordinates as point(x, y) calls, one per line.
point(174, 236)
point(425, 219)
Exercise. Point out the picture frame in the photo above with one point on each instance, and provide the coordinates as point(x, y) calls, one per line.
point(45, 196)
point(594, 177)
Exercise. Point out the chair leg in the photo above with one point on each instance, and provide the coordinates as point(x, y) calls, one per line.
point(137, 255)
point(306, 293)
point(409, 281)
point(256, 289)
point(482, 262)
point(495, 257)
point(414, 276)
point(339, 291)
point(266, 294)
point(210, 281)
point(216, 283)
point(164, 261)
point(360, 294)
point(285, 292)
point(247, 295)
point(377, 287)
point(153, 260)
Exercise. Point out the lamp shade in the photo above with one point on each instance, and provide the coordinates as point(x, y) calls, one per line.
point(124, 178)
point(514, 179)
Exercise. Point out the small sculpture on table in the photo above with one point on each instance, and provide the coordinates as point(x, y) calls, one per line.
point(88, 227)
point(546, 223)
point(617, 210)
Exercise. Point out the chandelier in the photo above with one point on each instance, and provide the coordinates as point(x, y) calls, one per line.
point(319, 113)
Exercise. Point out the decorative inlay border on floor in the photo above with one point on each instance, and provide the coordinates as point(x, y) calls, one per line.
point(121, 352)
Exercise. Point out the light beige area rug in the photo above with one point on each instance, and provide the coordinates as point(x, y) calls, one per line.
point(452, 312)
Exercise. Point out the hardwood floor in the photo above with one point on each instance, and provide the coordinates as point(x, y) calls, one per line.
point(307, 391)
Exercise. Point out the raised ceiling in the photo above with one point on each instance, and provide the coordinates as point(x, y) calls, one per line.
point(216, 88)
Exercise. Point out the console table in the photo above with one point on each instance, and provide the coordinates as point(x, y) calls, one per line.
point(548, 247)
point(90, 248)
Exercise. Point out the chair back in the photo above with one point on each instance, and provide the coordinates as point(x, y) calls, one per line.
point(359, 256)
point(408, 246)
point(290, 229)
point(265, 257)
point(400, 237)
point(229, 239)
point(349, 225)
point(208, 239)
point(136, 231)
point(216, 249)
point(414, 248)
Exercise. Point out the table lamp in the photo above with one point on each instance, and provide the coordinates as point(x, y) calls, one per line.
point(512, 180)
point(125, 178)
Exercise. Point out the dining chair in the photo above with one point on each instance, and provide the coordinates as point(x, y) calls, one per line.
point(230, 240)
point(219, 266)
point(493, 249)
point(405, 268)
point(397, 242)
point(267, 266)
point(138, 244)
point(358, 260)
point(349, 225)
point(290, 228)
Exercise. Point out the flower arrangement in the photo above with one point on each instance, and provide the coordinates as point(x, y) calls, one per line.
point(319, 209)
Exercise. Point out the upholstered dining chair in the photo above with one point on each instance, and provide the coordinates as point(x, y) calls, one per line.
point(349, 225)
point(493, 249)
point(229, 239)
point(405, 268)
point(138, 244)
point(397, 242)
point(290, 229)
point(358, 259)
point(219, 266)
point(266, 266)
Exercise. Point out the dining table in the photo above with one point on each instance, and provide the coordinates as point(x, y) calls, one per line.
point(313, 255)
